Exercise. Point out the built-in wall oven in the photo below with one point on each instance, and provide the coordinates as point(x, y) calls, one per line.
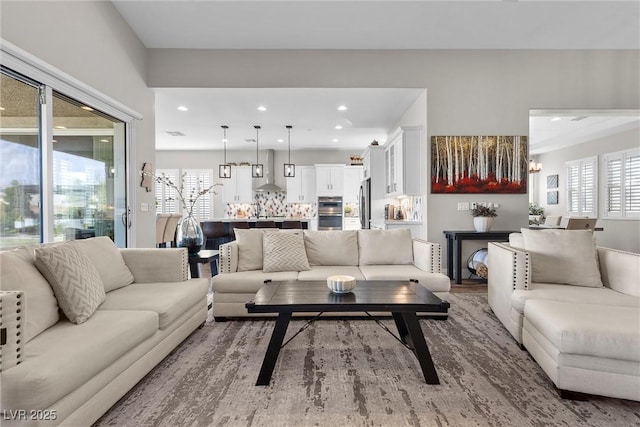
point(329, 213)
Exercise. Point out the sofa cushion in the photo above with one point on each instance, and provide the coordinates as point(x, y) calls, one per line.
point(106, 257)
point(65, 356)
point(516, 240)
point(332, 247)
point(587, 329)
point(248, 281)
point(321, 272)
point(284, 252)
point(563, 256)
point(435, 282)
point(385, 247)
point(74, 279)
point(250, 248)
point(169, 300)
point(18, 273)
point(578, 294)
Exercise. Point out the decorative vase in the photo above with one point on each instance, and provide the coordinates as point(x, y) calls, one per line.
point(482, 223)
point(189, 235)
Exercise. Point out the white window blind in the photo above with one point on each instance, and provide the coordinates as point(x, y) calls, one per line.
point(582, 177)
point(166, 197)
point(622, 187)
point(195, 181)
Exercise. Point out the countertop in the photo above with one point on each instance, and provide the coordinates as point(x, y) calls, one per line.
point(402, 222)
point(270, 218)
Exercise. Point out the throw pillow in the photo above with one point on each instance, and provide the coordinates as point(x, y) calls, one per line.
point(385, 247)
point(75, 280)
point(250, 247)
point(331, 247)
point(284, 252)
point(563, 256)
point(107, 259)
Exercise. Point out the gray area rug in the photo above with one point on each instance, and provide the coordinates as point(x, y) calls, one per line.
point(352, 373)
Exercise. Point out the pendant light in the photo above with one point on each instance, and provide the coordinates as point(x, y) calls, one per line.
point(257, 168)
point(289, 168)
point(534, 167)
point(224, 170)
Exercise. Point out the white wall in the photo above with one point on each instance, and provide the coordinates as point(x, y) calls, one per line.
point(481, 92)
point(618, 233)
point(90, 41)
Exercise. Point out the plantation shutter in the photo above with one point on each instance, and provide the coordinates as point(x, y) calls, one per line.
point(613, 189)
point(622, 188)
point(195, 181)
point(573, 188)
point(166, 197)
point(632, 184)
point(582, 187)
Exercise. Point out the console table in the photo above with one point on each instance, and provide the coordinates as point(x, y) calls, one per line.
point(454, 247)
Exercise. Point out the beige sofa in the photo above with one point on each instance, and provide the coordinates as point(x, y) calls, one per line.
point(574, 307)
point(363, 254)
point(54, 371)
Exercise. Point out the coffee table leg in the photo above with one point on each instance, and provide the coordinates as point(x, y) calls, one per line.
point(420, 348)
point(271, 356)
point(401, 326)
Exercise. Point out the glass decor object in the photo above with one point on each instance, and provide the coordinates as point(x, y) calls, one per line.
point(289, 168)
point(189, 234)
point(224, 170)
point(257, 170)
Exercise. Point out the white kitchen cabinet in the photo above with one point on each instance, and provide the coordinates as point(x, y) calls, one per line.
point(238, 188)
point(402, 163)
point(329, 180)
point(302, 187)
point(374, 169)
point(351, 184)
point(350, 223)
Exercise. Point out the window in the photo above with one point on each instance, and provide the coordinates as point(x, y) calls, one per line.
point(621, 189)
point(166, 197)
point(193, 182)
point(582, 187)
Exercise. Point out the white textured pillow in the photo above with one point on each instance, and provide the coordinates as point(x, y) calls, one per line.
point(331, 247)
point(386, 247)
point(18, 273)
point(106, 257)
point(250, 247)
point(284, 252)
point(563, 256)
point(75, 280)
point(516, 240)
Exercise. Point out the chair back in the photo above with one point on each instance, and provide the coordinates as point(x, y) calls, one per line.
point(265, 224)
point(581, 223)
point(170, 229)
point(553, 220)
point(161, 224)
point(292, 225)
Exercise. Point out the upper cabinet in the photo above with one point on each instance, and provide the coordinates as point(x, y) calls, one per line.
point(238, 188)
point(352, 181)
point(329, 180)
point(302, 187)
point(402, 163)
point(374, 169)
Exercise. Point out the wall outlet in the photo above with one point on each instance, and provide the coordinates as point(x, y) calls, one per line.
point(496, 205)
point(144, 207)
point(463, 206)
point(474, 205)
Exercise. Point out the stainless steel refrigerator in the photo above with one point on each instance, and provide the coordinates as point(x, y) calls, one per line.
point(365, 204)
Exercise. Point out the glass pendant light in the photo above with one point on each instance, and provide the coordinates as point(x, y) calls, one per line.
point(257, 168)
point(224, 170)
point(289, 168)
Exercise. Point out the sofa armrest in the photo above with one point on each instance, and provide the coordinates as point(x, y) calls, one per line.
point(228, 258)
point(509, 268)
point(12, 315)
point(620, 270)
point(157, 265)
point(427, 256)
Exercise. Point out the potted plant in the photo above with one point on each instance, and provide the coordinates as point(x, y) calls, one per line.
point(483, 217)
point(536, 213)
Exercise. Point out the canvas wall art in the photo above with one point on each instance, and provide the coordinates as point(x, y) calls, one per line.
point(479, 164)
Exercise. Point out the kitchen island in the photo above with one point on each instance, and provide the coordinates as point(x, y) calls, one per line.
point(220, 230)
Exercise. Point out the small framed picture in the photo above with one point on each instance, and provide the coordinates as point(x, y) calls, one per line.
point(552, 197)
point(552, 181)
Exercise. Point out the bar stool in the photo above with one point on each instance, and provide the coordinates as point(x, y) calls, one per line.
point(170, 229)
point(214, 234)
point(265, 224)
point(292, 225)
point(161, 224)
point(240, 224)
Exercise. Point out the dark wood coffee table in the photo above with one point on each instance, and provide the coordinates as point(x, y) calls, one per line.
point(402, 298)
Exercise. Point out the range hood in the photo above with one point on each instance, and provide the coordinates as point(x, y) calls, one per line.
point(268, 173)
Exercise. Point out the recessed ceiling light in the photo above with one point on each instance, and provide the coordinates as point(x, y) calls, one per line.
point(383, 140)
point(104, 140)
point(1, 108)
point(338, 127)
point(262, 108)
point(59, 127)
point(54, 140)
point(183, 108)
point(335, 139)
point(555, 119)
point(342, 108)
point(86, 108)
point(280, 140)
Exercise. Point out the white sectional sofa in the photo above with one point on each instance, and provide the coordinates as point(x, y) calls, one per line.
point(59, 371)
point(575, 308)
point(363, 254)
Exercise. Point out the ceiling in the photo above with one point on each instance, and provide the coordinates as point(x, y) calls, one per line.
point(358, 24)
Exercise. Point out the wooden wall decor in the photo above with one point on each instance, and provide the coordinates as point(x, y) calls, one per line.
point(479, 164)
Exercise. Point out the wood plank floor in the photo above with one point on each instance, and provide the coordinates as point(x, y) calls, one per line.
point(469, 286)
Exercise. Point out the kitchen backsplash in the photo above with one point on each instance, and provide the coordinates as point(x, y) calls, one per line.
point(270, 204)
point(411, 207)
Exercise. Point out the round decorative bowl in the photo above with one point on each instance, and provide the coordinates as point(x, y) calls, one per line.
point(341, 284)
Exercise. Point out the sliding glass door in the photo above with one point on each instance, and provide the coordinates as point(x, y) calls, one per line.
point(81, 165)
